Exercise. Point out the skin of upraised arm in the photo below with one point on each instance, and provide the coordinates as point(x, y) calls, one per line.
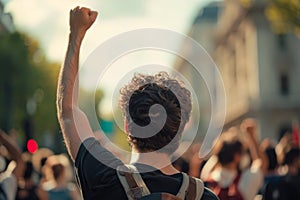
point(255, 151)
point(74, 123)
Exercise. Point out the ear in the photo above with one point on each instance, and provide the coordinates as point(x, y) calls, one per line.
point(126, 126)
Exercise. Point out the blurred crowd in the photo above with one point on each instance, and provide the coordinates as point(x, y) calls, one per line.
point(41, 175)
point(240, 166)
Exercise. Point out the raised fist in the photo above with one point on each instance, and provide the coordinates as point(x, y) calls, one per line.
point(81, 19)
point(249, 126)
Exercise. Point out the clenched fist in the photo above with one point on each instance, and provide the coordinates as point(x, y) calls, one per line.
point(81, 19)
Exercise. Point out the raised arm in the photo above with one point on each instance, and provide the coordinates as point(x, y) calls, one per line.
point(15, 154)
point(257, 154)
point(74, 123)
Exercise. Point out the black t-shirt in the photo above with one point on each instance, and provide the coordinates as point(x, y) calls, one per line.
point(98, 181)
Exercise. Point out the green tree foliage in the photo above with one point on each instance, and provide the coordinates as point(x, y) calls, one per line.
point(28, 85)
point(15, 67)
point(284, 15)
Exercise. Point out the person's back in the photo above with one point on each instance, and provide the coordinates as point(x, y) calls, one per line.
point(100, 180)
point(62, 190)
point(291, 181)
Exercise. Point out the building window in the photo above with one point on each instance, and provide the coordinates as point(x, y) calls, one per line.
point(284, 84)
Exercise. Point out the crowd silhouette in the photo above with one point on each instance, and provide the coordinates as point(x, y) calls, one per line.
point(240, 166)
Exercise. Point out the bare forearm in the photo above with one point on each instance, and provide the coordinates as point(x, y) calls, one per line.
point(254, 148)
point(74, 123)
point(14, 152)
point(67, 94)
point(258, 154)
point(12, 148)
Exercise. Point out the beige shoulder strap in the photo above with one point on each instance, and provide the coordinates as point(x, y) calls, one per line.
point(132, 182)
point(191, 188)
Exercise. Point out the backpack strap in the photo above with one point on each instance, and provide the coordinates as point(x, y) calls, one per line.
point(199, 188)
point(135, 188)
point(191, 188)
point(132, 182)
point(184, 186)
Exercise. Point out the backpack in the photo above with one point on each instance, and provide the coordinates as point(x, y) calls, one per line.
point(229, 193)
point(136, 189)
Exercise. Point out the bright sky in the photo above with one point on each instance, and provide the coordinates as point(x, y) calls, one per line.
point(47, 20)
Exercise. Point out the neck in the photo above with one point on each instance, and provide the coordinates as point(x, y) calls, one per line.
point(157, 160)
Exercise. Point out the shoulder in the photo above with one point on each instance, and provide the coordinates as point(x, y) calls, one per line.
point(96, 167)
point(91, 153)
point(208, 195)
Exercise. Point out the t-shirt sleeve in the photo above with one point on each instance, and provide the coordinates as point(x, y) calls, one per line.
point(95, 165)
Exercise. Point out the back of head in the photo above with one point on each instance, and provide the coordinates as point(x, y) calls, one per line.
point(228, 151)
point(272, 158)
point(57, 170)
point(144, 91)
point(291, 156)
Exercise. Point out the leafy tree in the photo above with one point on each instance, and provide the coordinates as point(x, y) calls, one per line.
point(15, 68)
point(284, 15)
point(28, 81)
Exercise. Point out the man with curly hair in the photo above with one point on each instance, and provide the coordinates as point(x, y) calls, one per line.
point(141, 101)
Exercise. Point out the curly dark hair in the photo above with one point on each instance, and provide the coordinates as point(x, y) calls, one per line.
point(228, 150)
point(144, 91)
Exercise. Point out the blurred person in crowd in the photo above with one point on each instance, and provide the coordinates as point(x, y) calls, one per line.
point(272, 170)
point(39, 159)
point(272, 175)
point(13, 172)
point(57, 178)
point(99, 181)
point(28, 189)
point(287, 186)
point(43, 179)
point(284, 145)
point(292, 160)
point(234, 176)
point(292, 178)
point(63, 189)
point(185, 162)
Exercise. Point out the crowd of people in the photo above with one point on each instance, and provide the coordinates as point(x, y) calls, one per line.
point(242, 167)
point(42, 175)
point(239, 167)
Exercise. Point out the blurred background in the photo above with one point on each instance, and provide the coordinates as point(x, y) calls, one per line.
point(255, 44)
